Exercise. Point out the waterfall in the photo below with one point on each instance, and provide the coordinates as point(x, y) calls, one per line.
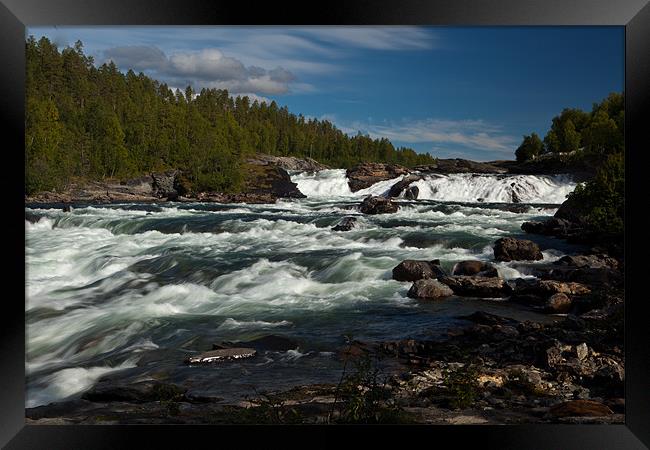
point(463, 187)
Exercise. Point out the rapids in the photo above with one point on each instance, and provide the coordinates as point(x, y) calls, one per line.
point(129, 290)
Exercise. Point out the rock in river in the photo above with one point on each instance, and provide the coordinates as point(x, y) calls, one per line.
point(475, 286)
point(509, 249)
point(221, 355)
point(479, 268)
point(398, 187)
point(412, 270)
point(346, 224)
point(377, 205)
point(365, 175)
point(429, 289)
point(412, 193)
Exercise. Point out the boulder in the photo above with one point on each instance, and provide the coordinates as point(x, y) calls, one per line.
point(429, 288)
point(509, 249)
point(558, 303)
point(346, 224)
point(377, 205)
point(398, 187)
point(163, 184)
point(412, 193)
point(572, 211)
point(580, 408)
point(265, 178)
point(598, 261)
point(365, 175)
point(475, 286)
point(222, 354)
point(412, 270)
point(551, 227)
point(479, 268)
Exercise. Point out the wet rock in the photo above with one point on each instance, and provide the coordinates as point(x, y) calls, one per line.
point(476, 286)
point(398, 187)
point(509, 249)
point(412, 193)
point(598, 261)
point(558, 303)
point(551, 227)
point(580, 408)
point(546, 287)
point(412, 270)
point(377, 205)
point(478, 268)
point(221, 355)
point(429, 289)
point(346, 224)
point(67, 208)
point(365, 175)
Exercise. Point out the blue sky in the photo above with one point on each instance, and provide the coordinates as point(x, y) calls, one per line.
point(459, 92)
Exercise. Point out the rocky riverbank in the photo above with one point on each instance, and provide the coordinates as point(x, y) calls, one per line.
point(266, 180)
point(493, 369)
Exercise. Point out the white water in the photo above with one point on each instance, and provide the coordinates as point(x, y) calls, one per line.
point(453, 187)
point(109, 288)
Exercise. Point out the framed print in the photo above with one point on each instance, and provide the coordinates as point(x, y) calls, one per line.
point(370, 214)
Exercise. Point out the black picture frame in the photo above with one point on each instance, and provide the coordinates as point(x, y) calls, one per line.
point(634, 15)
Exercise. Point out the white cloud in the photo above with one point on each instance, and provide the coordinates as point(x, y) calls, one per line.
point(208, 67)
point(377, 38)
point(472, 134)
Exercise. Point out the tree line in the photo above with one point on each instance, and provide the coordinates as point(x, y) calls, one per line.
point(89, 122)
point(599, 132)
point(599, 136)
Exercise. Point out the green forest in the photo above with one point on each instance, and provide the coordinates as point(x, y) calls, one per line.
point(91, 123)
point(576, 136)
point(599, 132)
